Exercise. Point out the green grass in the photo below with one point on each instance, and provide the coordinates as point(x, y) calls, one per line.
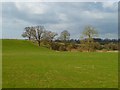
point(28, 66)
point(0, 63)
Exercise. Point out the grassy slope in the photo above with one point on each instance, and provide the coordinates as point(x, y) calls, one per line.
point(0, 63)
point(27, 65)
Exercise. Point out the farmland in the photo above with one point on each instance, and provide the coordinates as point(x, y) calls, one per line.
point(26, 65)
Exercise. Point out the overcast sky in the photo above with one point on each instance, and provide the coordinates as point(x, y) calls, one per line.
point(59, 16)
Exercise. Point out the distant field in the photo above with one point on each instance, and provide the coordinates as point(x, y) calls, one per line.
point(28, 66)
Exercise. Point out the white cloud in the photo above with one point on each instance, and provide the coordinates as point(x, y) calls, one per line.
point(33, 8)
point(58, 0)
point(62, 17)
point(93, 15)
point(111, 5)
point(100, 15)
point(58, 17)
point(0, 20)
point(110, 35)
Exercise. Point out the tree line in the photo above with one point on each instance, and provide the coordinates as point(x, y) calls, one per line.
point(49, 39)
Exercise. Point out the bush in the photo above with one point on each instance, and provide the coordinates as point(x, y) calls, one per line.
point(62, 48)
point(55, 46)
point(69, 47)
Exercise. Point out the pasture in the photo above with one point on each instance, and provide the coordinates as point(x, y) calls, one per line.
point(25, 65)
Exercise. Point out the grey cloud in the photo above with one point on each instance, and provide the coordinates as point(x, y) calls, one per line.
point(59, 16)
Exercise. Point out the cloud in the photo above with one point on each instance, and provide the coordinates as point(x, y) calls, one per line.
point(0, 20)
point(109, 4)
point(61, 16)
point(110, 35)
point(31, 8)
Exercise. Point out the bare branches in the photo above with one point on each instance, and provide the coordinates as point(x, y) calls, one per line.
point(65, 35)
point(38, 33)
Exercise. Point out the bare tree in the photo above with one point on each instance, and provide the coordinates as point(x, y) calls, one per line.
point(27, 33)
point(89, 33)
point(64, 36)
point(49, 36)
point(37, 33)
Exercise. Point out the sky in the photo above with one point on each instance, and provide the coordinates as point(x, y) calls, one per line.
point(59, 16)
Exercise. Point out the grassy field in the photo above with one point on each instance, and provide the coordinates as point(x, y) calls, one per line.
point(28, 66)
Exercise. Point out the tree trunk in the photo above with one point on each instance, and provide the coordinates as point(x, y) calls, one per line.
point(88, 44)
point(39, 43)
point(29, 38)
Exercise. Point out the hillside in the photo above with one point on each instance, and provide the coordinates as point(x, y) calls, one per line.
point(25, 65)
point(10, 45)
